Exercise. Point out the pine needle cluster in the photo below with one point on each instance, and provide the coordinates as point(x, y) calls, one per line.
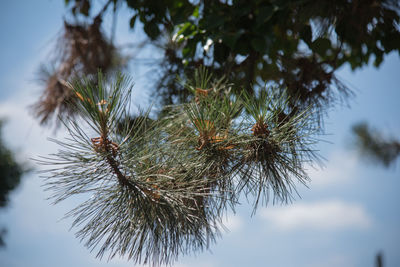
point(158, 189)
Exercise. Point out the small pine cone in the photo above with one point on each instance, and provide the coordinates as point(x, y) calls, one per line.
point(260, 129)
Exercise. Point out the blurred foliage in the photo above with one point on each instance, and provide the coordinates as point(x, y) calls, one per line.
point(297, 44)
point(10, 177)
point(373, 145)
point(10, 172)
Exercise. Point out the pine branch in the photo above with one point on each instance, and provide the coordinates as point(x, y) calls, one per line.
point(159, 188)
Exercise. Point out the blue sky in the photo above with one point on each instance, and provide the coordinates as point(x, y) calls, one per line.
point(349, 212)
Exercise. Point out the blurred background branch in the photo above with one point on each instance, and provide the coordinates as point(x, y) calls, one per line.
point(374, 145)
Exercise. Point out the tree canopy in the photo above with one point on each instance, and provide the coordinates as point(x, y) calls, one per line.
point(10, 176)
point(296, 44)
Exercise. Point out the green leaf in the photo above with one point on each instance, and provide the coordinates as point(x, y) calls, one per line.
point(186, 29)
point(306, 34)
point(242, 45)
point(132, 21)
point(196, 12)
point(259, 44)
point(85, 7)
point(213, 21)
point(321, 45)
point(181, 12)
point(378, 59)
point(152, 30)
point(190, 49)
point(265, 14)
point(221, 52)
point(230, 39)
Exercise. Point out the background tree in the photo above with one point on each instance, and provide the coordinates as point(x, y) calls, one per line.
point(10, 177)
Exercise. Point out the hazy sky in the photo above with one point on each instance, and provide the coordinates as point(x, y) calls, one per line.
point(349, 212)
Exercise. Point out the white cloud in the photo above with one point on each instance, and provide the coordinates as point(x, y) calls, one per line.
point(22, 131)
point(328, 215)
point(341, 168)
